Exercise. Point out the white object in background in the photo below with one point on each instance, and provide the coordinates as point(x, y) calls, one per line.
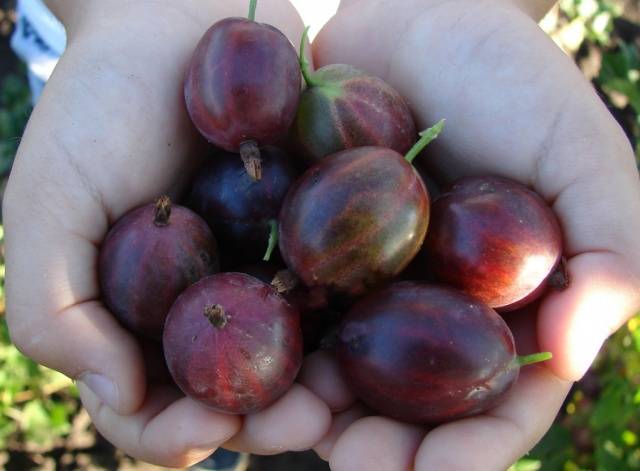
point(39, 39)
point(316, 13)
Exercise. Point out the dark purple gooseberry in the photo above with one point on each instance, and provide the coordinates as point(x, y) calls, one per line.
point(353, 220)
point(243, 86)
point(316, 318)
point(148, 258)
point(287, 285)
point(424, 353)
point(232, 343)
point(495, 239)
point(237, 208)
point(343, 107)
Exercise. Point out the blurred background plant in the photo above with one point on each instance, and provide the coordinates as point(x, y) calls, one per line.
point(42, 425)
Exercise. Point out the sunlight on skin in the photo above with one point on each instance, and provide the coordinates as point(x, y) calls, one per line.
point(574, 323)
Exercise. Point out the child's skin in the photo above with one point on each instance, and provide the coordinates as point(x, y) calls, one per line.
point(110, 133)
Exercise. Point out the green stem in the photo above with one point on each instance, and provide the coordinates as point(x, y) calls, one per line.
point(425, 138)
point(273, 239)
point(252, 9)
point(531, 359)
point(305, 67)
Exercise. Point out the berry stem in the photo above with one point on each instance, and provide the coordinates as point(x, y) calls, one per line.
point(559, 279)
point(284, 281)
point(162, 212)
point(273, 239)
point(305, 67)
point(426, 137)
point(216, 315)
point(252, 9)
point(250, 155)
point(532, 359)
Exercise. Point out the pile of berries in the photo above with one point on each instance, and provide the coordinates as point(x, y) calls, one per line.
point(319, 181)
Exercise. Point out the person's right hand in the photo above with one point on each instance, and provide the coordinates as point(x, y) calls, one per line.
point(109, 134)
point(516, 107)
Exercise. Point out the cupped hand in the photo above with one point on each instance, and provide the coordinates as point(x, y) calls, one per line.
point(109, 134)
point(515, 106)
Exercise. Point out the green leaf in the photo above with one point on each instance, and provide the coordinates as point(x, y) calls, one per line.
point(36, 422)
point(526, 465)
point(629, 438)
point(59, 416)
point(7, 428)
point(554, 450)
point(614, 407)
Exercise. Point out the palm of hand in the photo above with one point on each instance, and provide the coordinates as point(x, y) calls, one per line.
point(515, 107)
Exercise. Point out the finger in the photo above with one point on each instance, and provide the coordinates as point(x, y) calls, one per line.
point(322, 376)
point(494, 441)
point(573, 324)
point(340, 422)
point(169, 429)
point(377, 444)
point(296, 422)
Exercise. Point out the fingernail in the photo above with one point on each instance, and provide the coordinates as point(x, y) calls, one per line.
point(102, 387)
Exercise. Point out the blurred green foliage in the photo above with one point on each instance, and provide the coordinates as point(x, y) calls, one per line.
point(596, 16)
point(599, 428)
point(15, 108)
point(620, 74)
point(36, 403)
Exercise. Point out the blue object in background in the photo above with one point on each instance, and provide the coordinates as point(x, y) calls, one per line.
point(223, 460)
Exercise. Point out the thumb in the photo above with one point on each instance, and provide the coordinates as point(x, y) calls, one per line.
point(573, 324)
point(53, 312)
